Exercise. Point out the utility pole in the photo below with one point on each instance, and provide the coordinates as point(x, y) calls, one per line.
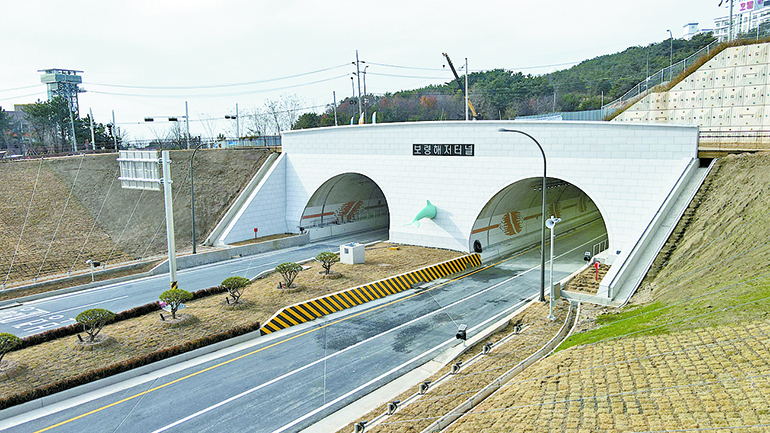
point(114, 131)
point(187, 122)
point(237, 126)
point(334, 95)
point(91, 117)
point(466, 89)
point(358, 75)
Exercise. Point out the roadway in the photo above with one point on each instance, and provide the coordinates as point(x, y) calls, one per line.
point(290, 379)
point(37, 316)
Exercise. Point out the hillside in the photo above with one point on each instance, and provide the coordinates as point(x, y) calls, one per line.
point(692, 349)
point(97, 219)
point(504, 94)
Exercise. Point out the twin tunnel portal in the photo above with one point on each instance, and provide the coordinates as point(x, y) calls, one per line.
point(510, 220)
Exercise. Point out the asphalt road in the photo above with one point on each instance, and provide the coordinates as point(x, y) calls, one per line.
point(41, 315)
point(290, 379)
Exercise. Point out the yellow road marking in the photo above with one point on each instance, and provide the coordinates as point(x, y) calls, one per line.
point(309, 331)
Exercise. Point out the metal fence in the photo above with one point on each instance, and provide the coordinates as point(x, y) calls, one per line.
point(662, 76)
point(208, 143)
point(734, 141)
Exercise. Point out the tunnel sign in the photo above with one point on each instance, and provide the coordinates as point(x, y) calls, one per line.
point(443, 149)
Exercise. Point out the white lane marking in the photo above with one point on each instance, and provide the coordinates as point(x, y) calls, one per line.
point(375, 380)
point(254, 267)
point(293, 372)
point(41, 312)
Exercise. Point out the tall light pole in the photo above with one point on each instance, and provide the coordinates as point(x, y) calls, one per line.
point(364, 107)
point(192, 196)
point(551, 224)
point(671, 58)
point(542, 231)
point(466, 89)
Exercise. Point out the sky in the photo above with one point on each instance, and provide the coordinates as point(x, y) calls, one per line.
point(145, 58)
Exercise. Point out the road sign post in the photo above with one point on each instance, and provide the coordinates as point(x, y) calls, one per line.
point(139, 170)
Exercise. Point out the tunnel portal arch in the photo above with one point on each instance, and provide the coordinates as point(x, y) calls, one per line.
point(345, 203)
point(512, 220)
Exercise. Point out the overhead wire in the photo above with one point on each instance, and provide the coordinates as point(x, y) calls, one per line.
point(24, 225)
point(215, 86)
point(220, 95)
point(96, 219)
point(61, 218)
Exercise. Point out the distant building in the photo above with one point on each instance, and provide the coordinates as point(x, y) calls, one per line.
point(63, 83)
point(691, 29)
point(747, 16)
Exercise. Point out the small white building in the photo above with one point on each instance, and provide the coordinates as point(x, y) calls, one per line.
point(747, 16)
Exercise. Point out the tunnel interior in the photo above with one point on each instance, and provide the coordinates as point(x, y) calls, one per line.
point(346, 203)
point(511, 220)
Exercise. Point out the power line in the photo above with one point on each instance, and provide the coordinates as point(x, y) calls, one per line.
point(218, 95)
point(20, 88)
point(215, 86)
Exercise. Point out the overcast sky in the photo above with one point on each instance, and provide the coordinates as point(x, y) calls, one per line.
point(154, 47)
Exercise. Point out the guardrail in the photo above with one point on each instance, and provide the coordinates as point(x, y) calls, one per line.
point(662, 76)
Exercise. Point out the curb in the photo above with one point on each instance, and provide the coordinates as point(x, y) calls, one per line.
point(314, 308)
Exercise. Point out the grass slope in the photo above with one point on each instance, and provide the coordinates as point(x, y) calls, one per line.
point(691, 350)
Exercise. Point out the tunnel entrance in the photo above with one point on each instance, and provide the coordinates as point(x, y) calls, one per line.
point(346, 203)
point(512, 220)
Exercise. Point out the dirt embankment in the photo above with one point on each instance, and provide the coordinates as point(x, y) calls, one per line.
point(63, 211)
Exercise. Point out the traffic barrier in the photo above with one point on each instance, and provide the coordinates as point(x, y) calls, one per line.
point(315, 308)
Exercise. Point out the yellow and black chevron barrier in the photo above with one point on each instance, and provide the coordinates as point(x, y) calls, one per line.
point(315, 308)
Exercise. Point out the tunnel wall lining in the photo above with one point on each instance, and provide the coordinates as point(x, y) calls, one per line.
point(627, 170)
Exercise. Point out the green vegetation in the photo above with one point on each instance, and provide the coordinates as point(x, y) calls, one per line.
point(505, 94)
point(173, 299)
point(235, 287)
point(289, 272)
point(51, 127)
point(713, 270)
point(8, 343)
point(93, 321)
point(327, 259)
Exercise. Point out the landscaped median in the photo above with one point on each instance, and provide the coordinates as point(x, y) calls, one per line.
point(315, 308)
point(53, 363)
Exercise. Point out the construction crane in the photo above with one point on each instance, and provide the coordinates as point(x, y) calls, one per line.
point(460, 83)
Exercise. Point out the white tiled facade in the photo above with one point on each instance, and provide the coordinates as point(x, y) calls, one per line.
point(626, 169)
point(747, 16)
point(728, 93)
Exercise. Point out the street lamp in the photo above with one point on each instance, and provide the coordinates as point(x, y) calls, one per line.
point(551, 224)
point(192, 195)
point(542, 232)
point(671, 59)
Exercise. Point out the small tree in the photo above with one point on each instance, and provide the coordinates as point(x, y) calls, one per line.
point(327, 259)
point(8, 342)
point(289, 272)
point(93, 321)
point(174, 298)
point(235, 286)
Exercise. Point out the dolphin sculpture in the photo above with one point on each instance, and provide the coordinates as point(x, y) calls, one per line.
point(429, 211)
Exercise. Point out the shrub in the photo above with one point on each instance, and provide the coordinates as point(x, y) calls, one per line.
point(289, 272)
point(174, 298)
point(327, 259)
point(93, 321)
point(120, 367)
point(8, 342)
point(235, 286)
